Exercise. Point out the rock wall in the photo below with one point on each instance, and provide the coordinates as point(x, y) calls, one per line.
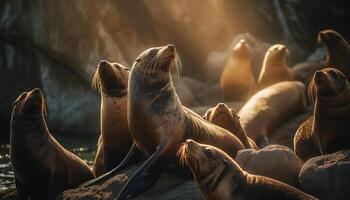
point(56, 44)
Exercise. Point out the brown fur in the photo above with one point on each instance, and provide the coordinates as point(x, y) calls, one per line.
point(327, 131)
point(338, 50)
point(164, 120)
point(275, 68)
point(42, 167)
point(220, 177)
point(228, 119)
point(111, 79)
point(270, 107)
point(237, 79)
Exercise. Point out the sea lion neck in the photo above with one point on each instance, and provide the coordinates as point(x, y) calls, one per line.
point(150, 85)
point(28, 125)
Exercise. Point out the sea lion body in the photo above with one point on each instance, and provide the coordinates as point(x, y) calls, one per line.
point(338, 50)
point(275, 68)
point(228, 119)
point(237, 79)
point(220, 177)
point(115, 139)
point(270, 107)
point(159, 123)
point(42, 167)
point(327, 131)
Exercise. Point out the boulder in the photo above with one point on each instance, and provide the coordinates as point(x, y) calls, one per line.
point(274, 161)
point(327, 177)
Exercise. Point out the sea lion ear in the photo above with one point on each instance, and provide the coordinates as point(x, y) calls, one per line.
point(207, 114)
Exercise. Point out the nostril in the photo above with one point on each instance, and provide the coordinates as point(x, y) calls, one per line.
point(171, 46)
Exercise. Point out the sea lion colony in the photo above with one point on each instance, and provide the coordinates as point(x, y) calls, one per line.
point(143, 120)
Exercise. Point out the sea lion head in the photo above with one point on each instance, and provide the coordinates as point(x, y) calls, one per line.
point(209, 165)
point(331, 38)
point(158, 62)
point(223, 116)
point(241, 50)
point(111, 78)
point(329, 85)
point(276, 54)
point(30, 104)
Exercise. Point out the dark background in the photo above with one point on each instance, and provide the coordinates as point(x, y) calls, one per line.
point(56, 44)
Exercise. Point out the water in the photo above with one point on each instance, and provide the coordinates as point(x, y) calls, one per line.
point(85, 149)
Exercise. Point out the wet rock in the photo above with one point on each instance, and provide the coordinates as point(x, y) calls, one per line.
point(327, 177)
point(168, 187)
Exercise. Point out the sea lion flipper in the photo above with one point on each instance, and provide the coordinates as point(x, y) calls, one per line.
point(144, 178)
point(134, 155)
point(21, 193)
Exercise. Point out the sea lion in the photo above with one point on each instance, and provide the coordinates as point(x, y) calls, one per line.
point(228, 119)
point(159, 123)
point(220, 177)
point(42, 167)
point(270, 107)
point(275, 68)
point(338, 50)
point(237, 80)
point(327, 131)
point(111, 79)
point(274, 161)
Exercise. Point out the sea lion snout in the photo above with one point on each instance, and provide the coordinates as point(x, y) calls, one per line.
point(168, 51)
point(320, 77)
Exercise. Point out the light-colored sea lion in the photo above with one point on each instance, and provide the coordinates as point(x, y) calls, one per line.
point(159, 123)
point(237, 80)
point(228, 119)
point(274, 161)
point(275, 68)
point(111, 79)
point(220, 177)
point(270, 107)
point(327, 131)
point(42, 167)
point(338, 50)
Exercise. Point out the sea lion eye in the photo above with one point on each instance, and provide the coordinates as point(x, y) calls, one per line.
point(208, 153)
point(138, 60)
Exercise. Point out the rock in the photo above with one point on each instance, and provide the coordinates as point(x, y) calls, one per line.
point(328, 176)
point(168, 187)
point(274, 161)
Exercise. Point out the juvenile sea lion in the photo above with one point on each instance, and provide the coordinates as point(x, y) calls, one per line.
point(270, 107)
point(338, 50)
point(237, 80)
point(228, 119)
point(111, 79)
point(220, 177)
point(327, 131)
point(275, 68)
point(159, 123)
point(42, 167)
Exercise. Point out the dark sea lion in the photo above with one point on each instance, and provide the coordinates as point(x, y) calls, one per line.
point(220, 177)
point(228, 119)
point(237, 79)
point(327, 131)
point(115, 140)
point(42, 167)
point(270, 107)
point(159, 123)
point(338, 50)
point(275, 68)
